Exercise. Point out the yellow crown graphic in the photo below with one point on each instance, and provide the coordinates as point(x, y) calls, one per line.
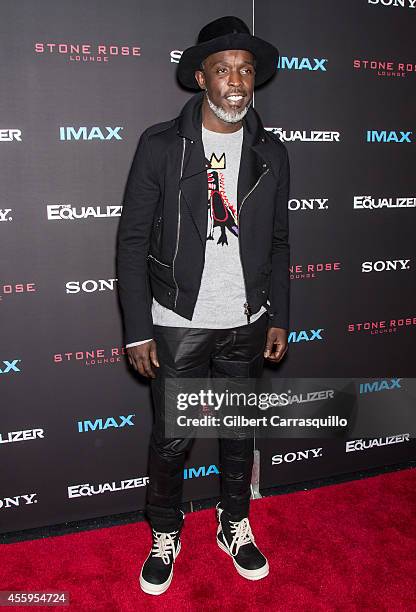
point(218, 163)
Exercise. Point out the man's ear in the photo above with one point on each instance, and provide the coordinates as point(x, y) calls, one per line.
point(200, 78)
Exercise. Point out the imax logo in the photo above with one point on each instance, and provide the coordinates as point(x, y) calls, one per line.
point(200, 472)
point(384, 136)
point(10, 366)
point(303, 63)
point(380, 385)
point(305, 335)
point(84, 133)
point(99, 424)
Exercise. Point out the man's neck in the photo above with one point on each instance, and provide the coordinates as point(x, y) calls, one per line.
point(211, 122)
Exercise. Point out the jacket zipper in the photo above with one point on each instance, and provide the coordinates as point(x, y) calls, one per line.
point(178, 229)
point(247, 308)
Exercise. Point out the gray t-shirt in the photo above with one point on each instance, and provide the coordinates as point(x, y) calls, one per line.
point(222, 296)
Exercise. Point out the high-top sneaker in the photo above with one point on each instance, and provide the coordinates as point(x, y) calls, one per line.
point(157, 570)
point(237, 540)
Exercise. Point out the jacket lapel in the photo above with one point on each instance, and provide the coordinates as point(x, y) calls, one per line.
point(194, 185)
point(251, 169)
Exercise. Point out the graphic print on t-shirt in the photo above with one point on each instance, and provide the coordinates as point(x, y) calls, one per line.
point(221, 212)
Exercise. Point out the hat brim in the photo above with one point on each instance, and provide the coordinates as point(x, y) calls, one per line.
point(266, 55)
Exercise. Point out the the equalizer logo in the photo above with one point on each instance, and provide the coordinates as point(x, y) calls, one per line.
point(368, 202)
point(366, 444)
point(87, 489)
point(67, 212)
point(305, 135)
point(9, 134)
point(21, 435)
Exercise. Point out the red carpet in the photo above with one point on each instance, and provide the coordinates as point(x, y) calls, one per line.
point(345, 547)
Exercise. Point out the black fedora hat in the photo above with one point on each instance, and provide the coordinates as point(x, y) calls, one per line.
point(221, 35)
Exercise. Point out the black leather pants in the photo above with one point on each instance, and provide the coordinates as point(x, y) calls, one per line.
point(194, 353)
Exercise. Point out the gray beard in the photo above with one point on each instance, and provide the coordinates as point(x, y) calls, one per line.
point(228, 117)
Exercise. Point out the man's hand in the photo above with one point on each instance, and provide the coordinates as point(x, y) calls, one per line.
point(142, 357)
point(276, 344)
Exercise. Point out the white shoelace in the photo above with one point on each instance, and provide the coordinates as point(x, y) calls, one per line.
point(164, 545)
point(242, 534)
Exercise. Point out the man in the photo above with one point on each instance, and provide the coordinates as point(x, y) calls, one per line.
point(203, 270)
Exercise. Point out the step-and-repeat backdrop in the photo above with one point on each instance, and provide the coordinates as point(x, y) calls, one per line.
point(80, 82)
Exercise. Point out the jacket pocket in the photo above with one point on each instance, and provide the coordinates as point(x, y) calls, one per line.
point(156, 237)
point(157, 261)
point(161, 280)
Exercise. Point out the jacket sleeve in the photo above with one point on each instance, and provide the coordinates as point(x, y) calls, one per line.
point(140, 202)
point(280, 282)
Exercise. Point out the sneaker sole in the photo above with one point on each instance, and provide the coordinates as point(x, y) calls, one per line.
point(257, 574)
point(158, 589)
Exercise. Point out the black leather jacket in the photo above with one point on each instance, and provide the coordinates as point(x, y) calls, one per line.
point(163, 226)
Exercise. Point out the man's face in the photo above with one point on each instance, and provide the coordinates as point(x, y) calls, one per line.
point(228, 77)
